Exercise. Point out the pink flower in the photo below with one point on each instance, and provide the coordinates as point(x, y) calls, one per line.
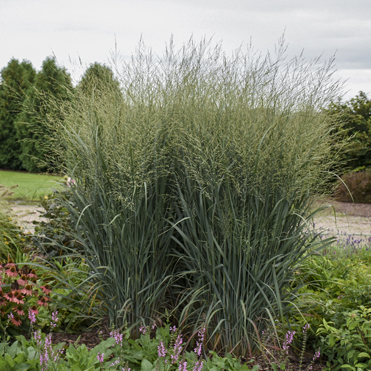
point(10, 296)
point(201, 335)
point(70, 182)
point(19, 310)
point(198, 366)
point(46, 289)
point(18, 298)
point(177, 349)
point(32, 317)
point(16, 321)
point(34, 310)
point(288, 341)
point(100, 357)
point(32, 274)
point(27, 290)
point(9, 264)
point(12, 271)
point(23, 280)
point(43, 301)
point(161, 350)
point(142, 329)
point(54, 319)
point(118, 337)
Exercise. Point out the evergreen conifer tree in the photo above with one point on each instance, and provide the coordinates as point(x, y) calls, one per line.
point(16, 82)
point(97, 78)
point(52, 86)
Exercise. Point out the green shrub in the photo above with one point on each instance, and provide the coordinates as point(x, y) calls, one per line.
point(336, 282)
point(357, 187)
point(348, 346)
point(193, 186)
point(56, 230)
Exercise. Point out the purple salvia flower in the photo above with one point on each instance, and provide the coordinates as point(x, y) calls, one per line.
point(161, 350)
point(288, 341)
point(173, 329)
point(142, 329)
point(32, 317)
point(115, 363)
point(177, 349)
point(100, 357)
point(201, 335)
point(118, 336)
point(198, 366)
point(183, 366)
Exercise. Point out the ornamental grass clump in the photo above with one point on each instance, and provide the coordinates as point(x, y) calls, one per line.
point(193, 174)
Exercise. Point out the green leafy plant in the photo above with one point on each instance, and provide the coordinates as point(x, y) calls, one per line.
point(348, 346)
point(56, 228)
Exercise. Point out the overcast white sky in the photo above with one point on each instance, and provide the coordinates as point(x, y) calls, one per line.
point(69, 29)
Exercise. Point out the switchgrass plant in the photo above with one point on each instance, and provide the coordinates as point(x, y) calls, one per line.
point(193, 181)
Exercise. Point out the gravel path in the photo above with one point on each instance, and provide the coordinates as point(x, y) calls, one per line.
point(340, 219)
point(26, 214)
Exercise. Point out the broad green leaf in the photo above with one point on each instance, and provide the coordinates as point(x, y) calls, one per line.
point(146, 365)
point(363, 355)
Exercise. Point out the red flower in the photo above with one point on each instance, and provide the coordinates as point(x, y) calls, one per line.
point(46, 289)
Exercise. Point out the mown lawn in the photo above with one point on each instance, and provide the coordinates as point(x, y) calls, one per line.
point(31, 187)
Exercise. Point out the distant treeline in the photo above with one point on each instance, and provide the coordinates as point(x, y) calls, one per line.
point(29, 101)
